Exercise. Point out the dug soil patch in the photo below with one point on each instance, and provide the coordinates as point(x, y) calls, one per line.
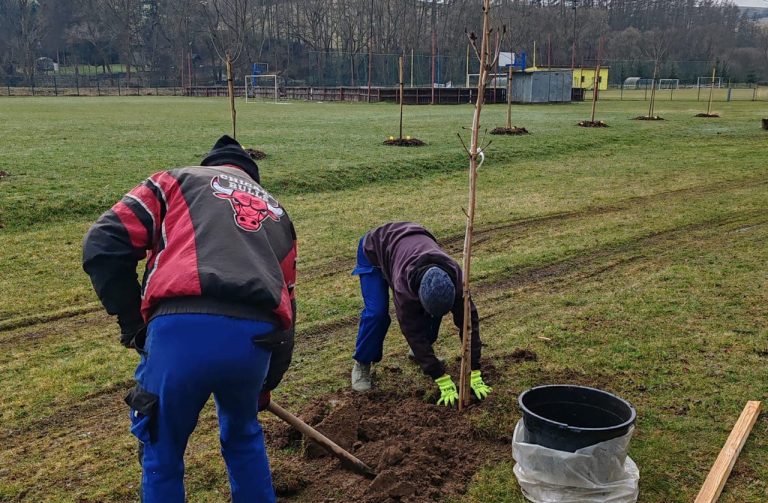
point(708, 116)
point(256, 155)
point(421, 452)
point(511, 131)
point(405, 142)
point(4, 174)
point(649, 118)
point(593, 124)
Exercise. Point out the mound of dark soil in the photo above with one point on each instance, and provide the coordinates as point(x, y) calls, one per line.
point(593, 124)
point(765, 123)
point(405, 142)
point(513, 131)
point(4, 174)
point(523, 355)
point(420, 451)
point(256, 155)
point(649, 118)
point(710, 116)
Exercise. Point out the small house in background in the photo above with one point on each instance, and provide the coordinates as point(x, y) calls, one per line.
point(584, 78)
point(46, 64)
point(541, 85)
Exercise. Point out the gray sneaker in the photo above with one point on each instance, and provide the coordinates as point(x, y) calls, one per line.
point(361, 377)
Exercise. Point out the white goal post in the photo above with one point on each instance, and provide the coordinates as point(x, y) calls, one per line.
point(707, 82)
point(262, 88)
point(669, 84)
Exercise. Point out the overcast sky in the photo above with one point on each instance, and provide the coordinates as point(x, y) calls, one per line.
point(751, 3)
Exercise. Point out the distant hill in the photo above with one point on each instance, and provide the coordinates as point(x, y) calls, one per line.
point(756, 12)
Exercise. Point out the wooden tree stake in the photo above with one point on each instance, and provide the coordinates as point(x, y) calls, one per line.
point(711, 88)
point(231, 92)
point(713, 485)
point(509, 98)
point(653, 89)
point(597, 77)
point(401, 97)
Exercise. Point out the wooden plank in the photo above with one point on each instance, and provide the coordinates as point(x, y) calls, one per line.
point(720, 471)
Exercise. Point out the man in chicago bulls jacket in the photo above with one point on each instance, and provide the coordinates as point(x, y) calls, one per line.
point(214, 313)
point(426, 285)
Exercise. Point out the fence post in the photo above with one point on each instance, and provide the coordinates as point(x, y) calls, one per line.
point(729, 94)
point(98, 86)
point(77, 80)
point(55, 87)
point(754, 93)
point(118, 87)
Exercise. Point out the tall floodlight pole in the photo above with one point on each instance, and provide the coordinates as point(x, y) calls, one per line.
point(573, 46)
point(434, 47)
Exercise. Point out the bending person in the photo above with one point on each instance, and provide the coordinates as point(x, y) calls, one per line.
point(426, 285)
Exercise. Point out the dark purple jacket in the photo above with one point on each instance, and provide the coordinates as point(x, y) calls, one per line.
point(404, 251)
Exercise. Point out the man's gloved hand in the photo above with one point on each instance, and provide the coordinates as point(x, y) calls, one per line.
point(133, 332)
point(264, 398)
point(448, 394)
point(481, 389)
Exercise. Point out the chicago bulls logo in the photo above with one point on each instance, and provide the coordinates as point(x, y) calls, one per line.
point(252, 205)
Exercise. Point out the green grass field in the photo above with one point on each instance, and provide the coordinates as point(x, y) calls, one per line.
point(632, 258)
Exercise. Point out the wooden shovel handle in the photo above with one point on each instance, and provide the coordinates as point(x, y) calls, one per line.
point(323, 441)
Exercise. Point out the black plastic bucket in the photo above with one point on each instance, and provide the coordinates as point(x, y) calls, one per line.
point(567, 418)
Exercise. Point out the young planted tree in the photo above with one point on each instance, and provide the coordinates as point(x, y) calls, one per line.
point(400, 141)
point(488, 57)
point(656, 48)
point(227, 27)
point(709, 113)
point(509, 129)
point(595, 90)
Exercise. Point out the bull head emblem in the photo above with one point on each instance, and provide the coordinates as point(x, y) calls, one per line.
point(250, 211)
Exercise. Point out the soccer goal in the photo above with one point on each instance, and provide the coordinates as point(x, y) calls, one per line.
point(669, 84)
point(262, 88)
point(707, 82)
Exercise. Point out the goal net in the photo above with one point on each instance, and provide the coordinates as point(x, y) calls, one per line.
point(262, 88)
point(669, 84)
point(707, 82)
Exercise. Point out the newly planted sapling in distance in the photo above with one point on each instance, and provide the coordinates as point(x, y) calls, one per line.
point(400, 141)
point(227, 27)
point(596, 88)
point(509, 129)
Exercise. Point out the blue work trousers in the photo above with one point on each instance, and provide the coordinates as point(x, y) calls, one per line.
point(187, 358)
point(374, 318)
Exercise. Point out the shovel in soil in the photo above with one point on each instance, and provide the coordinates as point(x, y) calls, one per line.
point(326, 443)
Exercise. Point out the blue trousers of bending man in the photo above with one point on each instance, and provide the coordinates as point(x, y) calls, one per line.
point(374, 318)
point(188, 357)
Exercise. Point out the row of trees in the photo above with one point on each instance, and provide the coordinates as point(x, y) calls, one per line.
point(346, 41)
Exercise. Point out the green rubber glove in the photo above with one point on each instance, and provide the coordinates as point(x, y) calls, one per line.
point(481, 389)
point(448, 394)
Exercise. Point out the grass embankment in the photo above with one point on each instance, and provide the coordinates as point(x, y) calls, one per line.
point(637, 252)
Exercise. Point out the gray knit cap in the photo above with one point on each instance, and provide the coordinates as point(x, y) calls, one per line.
point(437, 292)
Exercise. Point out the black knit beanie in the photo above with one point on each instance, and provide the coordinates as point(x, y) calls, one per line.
point(226, 150)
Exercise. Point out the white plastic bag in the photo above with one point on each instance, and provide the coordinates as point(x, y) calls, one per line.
point(600, 473)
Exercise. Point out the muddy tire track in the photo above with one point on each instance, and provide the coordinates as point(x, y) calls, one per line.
point(454, 243)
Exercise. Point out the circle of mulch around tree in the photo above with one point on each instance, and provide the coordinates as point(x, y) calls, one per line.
point(405, 142)
point(649, 118)
point(511, 131)
point(256, 155)
point(708, 116)
point(593, 124)
point(4, 174)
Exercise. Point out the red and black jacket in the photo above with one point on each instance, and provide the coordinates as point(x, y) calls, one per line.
point(215, 242)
